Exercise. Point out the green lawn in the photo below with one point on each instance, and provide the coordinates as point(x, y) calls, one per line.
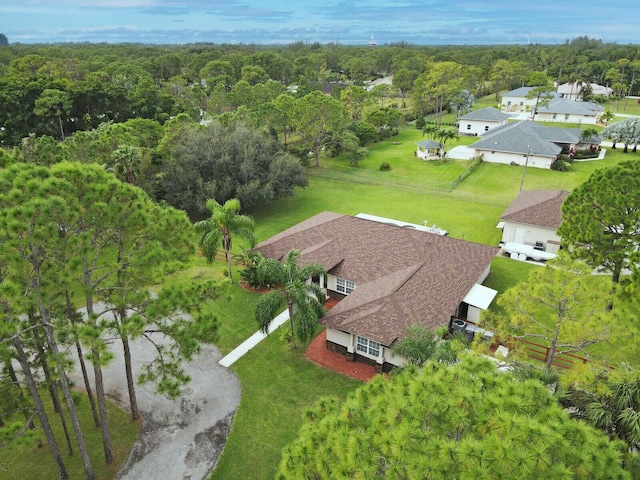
point(28, 462)
point(278, 384)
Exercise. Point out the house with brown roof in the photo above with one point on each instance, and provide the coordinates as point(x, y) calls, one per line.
point(533, 218)
point(387, 277)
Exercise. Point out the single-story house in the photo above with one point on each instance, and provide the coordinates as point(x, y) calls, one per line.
point(527, 143)
point(429, 150)
point(575, 90)
point(533, 218)
point(387, 277)
point(569, 111)
point(517, 101)
point(481, 121)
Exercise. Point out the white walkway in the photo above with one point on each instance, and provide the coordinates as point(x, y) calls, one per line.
point(252, 341)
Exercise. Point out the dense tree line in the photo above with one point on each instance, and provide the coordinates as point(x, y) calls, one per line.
point(193, 122)
point(62, 88)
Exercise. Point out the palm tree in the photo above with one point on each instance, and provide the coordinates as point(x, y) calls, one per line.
point(615, 409)
point(216, 230)
point(127, 163)
point(430, 131)
point(304, 299)
point(589, 135)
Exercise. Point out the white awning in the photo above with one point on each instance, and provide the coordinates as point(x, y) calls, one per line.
point(500, 225)
point(480, 296)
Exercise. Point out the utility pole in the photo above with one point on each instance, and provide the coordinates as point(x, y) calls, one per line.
point(524, 171)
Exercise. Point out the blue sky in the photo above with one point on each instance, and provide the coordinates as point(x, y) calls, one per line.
point(348, 22)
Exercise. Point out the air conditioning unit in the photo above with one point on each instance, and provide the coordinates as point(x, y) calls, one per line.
point(458, 325)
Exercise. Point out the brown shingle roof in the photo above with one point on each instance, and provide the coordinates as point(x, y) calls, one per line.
point(537, 207)
point(403, 276)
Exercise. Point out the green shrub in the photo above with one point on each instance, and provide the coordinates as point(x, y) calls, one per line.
point(385, 167)
point(560, 165)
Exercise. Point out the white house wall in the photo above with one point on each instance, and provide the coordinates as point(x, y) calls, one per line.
point(348, 341)
point(484, 275)
point(473, 314)
point(341, 338)
point(393, 359)
point(563, 118)
point(331, 282)
point(475, 127)
point(517, 104)
point(519, 159)
point(532, 234)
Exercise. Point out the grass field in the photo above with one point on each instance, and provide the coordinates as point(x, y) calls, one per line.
point(278, 384)
point(20, 461)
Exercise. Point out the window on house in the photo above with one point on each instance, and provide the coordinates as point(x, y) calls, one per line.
point(566, 117)
point(345, 286)
point(555, 115)
point(468, 126)
point(368, 347)
point(486, 128)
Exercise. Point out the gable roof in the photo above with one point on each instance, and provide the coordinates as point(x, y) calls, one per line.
point(524, 91)
point(542, 208)
point(403, 276)
point(488, 114)
point(427, 144)
point(519, 137)
point(564, 105)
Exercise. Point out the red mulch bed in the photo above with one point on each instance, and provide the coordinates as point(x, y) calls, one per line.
point(318, 353)
point(249, 288)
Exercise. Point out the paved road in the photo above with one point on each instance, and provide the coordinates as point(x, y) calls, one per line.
point(181, 438)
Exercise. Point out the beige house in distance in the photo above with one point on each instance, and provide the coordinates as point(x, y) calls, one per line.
point(575, 90)
point(387, 277)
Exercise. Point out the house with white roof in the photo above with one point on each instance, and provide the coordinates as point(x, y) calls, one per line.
point(481, 121)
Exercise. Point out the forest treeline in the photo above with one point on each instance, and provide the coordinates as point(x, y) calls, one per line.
point(166, 117)
point(58, 89)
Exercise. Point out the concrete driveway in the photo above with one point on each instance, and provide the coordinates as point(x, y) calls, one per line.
point(181, 438)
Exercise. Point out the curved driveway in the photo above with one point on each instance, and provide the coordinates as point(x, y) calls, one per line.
point(180, 438)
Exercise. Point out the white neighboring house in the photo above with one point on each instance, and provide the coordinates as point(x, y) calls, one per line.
point(387, 276)
point(532, 219)
point(526, 143)
point(517, 101)
point(574, 90)
point(429, 150)
point(569, 111)
point(481, 121)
